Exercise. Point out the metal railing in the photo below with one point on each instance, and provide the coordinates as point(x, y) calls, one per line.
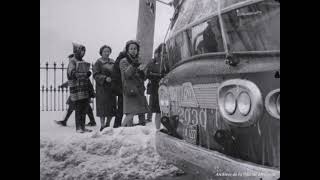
point(52, 96)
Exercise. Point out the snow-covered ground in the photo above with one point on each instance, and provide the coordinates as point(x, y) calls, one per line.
point(121, 153)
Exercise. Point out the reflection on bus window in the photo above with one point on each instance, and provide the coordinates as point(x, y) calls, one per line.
point(178, 48)
point(207, 38)
point(174, 52)
point(254, 27)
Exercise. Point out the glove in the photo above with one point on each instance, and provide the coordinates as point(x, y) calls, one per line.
point(89, 74)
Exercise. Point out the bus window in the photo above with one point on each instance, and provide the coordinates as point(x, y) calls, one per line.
point(178, 48)
point(174, 52)
point(254, 27)
point(207, 38)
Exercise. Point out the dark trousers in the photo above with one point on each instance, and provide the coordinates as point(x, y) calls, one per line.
point(90, 114)
point(81, 107)
point(71, 108)
point(119, 112)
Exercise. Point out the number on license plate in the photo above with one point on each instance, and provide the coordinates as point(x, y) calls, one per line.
point(191, 134)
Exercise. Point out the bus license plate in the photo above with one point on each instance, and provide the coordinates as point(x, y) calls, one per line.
point(191, 134)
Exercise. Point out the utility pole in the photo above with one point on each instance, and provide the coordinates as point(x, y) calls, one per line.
point(145, 28)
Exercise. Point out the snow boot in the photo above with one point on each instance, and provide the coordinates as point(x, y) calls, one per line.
point(61, 123)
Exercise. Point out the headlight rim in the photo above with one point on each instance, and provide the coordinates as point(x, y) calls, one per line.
point(271, 103)
point(237, 86)
point(278, 103)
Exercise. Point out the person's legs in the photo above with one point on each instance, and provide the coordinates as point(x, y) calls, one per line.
point(91, 116)
point(108, 121)
point(119, 112)
point(157, 120)
point(142, 120)
point(128, 120)
point(77, 117)
point(102, 122)
point(68, 114)
point(83, 110)
point(149, 114)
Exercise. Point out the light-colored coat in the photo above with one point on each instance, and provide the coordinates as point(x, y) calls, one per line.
point(133, 104)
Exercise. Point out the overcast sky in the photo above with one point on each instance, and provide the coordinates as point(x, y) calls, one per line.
point(92, 23)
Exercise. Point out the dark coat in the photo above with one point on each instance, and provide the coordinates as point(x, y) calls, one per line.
point(130, 75)
point(116, 76)
point(154, 76)
point(105, 100)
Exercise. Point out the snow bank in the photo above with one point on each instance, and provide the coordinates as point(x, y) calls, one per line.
point(121, 153)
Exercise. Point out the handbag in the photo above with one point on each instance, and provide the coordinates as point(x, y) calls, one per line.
point(130, 89)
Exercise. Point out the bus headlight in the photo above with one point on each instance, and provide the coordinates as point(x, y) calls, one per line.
point(244, 103)
point(164, 100)
point(240, 102)
point(230, 103)
point(272, 103)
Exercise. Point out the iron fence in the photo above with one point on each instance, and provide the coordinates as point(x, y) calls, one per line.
point(53, 97)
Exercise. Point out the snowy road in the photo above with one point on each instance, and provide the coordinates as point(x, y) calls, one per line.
point(121, 153)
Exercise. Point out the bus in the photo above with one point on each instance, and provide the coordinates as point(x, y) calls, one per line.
point(220, 97)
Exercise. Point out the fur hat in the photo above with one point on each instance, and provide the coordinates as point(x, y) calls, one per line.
point(77, 47)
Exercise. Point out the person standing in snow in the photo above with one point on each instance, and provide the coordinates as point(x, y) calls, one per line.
point(117, 89)
point(153, 75)
point(79, 84)
point(105, 99)
point(132, 75)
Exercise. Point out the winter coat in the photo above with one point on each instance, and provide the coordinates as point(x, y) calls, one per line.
point(154, 76)
point(131, 76)
point(116, 76)
point(105, 99)
point(79, 87)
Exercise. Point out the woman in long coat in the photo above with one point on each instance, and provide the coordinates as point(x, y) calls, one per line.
point(134, 100)
point(102, 73)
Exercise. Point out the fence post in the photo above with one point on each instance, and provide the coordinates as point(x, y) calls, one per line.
point(47, 64)
point(58, 98)
point(42, 97)
point(62, 90)
point(62, 67)
point(62, 102)
point(50, 97)
point(54, 85)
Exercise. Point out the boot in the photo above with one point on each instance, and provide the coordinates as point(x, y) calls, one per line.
point(87, 130)
point(80, 131)
point(91, 124)
point(61, 123)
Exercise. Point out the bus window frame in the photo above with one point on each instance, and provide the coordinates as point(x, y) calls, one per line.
point(203, 20)
point(214, 14)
